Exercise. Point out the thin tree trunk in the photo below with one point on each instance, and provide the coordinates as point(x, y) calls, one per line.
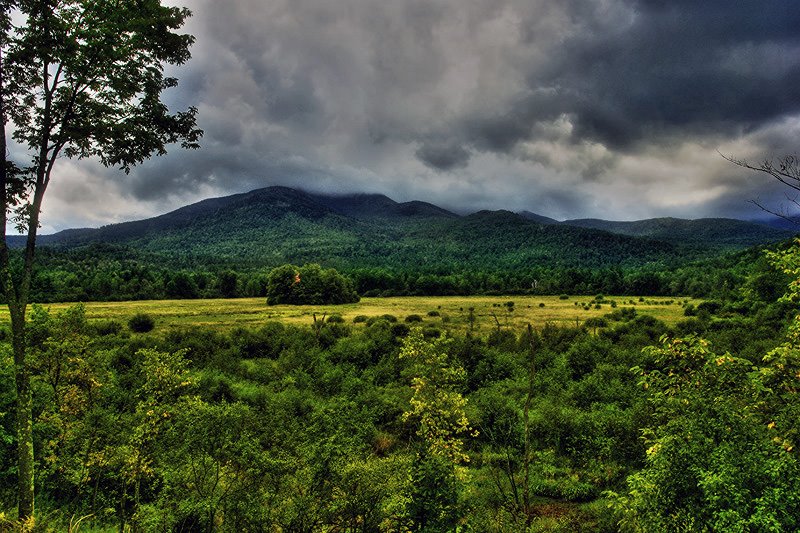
point(25, 464)
point(526, 493)
point(16, 307)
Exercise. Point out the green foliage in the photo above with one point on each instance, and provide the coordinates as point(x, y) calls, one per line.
point(141, 323)
point(437, 406)
point(287, 428)
point(713, 459)
point(309, 284)
point(228, 284)
point(623, 314)
point(107, 327)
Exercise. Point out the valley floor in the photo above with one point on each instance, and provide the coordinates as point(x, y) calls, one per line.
point(451, 313)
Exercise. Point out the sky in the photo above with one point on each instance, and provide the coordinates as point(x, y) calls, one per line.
point(616, 109)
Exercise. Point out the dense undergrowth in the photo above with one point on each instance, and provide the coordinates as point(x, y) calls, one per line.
point(393, 426)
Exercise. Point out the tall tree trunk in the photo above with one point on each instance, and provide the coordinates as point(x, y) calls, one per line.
point(16, 292)
point(16, 307)
point(25, 464)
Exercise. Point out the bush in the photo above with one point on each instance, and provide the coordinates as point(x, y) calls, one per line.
point(563, 297)
point(430, 332)
point(399, 330)
point(541, 304)
point(596, 322)
point(625, 313)
point(108, 327)
point(358, 319)
point(335, 319)
point(141, 323)
point(413, 318)
point(433, 313)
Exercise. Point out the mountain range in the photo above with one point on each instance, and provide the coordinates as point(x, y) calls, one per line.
point(275, 225)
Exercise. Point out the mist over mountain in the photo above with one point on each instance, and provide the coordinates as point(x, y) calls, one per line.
point(279, 224)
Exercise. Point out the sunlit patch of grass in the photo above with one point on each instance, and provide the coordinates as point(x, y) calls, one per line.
point(488, 311)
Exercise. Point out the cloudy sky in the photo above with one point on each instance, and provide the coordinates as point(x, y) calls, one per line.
point(569, 108)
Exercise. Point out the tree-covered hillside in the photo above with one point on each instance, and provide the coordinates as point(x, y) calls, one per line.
point(276, 225)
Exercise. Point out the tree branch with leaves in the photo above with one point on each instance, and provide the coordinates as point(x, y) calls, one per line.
point(78, 79)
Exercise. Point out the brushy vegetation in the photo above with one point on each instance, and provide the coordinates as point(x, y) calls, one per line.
point(141, 323)
point(383, 425)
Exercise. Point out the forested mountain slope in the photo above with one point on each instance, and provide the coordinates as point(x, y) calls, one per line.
point(710, 232)
point(277, 225)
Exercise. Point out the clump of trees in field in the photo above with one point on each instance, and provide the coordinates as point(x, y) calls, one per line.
point(309, 285)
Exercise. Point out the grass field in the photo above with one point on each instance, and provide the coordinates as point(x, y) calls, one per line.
point(453, 311)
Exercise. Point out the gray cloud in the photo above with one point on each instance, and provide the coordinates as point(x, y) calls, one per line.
point(443, 156)
point(573, 108)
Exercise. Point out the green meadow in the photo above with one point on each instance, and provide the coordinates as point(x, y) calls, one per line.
point(451, 313)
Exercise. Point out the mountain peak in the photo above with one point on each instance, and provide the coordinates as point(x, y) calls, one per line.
point(541, 219)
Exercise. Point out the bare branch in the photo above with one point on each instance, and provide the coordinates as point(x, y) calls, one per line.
point(785, 170)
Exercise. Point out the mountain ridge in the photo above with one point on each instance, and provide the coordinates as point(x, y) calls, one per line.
point(278, 224)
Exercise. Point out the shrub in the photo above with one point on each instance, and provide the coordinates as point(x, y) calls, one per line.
point(358, 319)
point(596, 322)
point(625, 313)
point(430, 332)
point(710, 307)
point(563, 297)
point(335, 319)
point(433, 313)
point(141, 323)
point(541, 304)
point(107, 327)
point(399, 330)
point(413, 318)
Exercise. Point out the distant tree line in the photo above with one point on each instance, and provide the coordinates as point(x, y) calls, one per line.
point(111, 275)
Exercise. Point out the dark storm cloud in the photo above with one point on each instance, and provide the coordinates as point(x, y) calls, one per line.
point(486, 103)
point(672, 68)
point(443, 156)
